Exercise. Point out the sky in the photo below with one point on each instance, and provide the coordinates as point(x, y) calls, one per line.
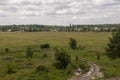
point(59, 12)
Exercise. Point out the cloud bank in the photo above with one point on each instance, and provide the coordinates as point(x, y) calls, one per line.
point(59, 11)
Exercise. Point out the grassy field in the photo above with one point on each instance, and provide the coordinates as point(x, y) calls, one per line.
point(17, 42)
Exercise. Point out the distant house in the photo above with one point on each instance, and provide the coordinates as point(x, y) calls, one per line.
point(79, 29)
point(9, 30)
point(106, 29)
point(95, 28)
point(53, 30)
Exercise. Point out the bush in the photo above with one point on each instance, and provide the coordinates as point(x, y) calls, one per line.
point(41, 69)
point(29, 53)
point(62, 59)
point(6, 50)
point(98, 56)
point(58, 65)
point(80, 64)
point(73, 43)
point(44, 46)
point(75, 65)
point(10, 70)
point(44, 55)
point(69, 69)
point(84, 66)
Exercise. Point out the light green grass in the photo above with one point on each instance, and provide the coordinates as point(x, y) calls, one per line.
point(94, 42)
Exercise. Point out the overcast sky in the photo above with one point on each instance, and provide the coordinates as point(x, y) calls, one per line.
point(59, 12)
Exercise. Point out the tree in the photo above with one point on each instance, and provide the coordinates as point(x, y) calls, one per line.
point(113, 48)
point(62, 59)
point(73, 43)
point(29, 53)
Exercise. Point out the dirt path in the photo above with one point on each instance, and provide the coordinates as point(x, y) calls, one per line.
point(93, 71)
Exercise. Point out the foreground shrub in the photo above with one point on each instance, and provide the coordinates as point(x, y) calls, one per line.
point(29, 53)
point(10, 70)
point(84, 66)
point(73, 43)
point(6, 50)
point(44, 46)
point(45, 55)
point(69, 69)
point(41, 69)
point(62, 59)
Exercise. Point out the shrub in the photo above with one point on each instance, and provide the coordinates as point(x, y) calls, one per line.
point(84, 66)
point(69, 69)
point(76, 58)
point(41, 69)
point(80, 64)
point(98, 56)
point(44, 55)
point(10, 70)
point(62, 59)
point(43, 46)
point(29, 53)
point(73, 43)
point(6, 50)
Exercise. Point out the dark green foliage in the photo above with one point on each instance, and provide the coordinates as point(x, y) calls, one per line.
point(76, 58)
point(69, 69)
point(43, 46)
point(42, 69)
point(98, 56)
point(73, 43)
point(44, 55)
point(84, 66)
point(10, 70)
point(113, 48)
point(6, 50)
point(62, 59)
point(29, 53)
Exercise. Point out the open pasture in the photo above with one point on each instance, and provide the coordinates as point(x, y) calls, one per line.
point(17, 42)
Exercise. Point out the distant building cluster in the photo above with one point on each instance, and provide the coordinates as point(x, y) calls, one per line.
point(55, 28)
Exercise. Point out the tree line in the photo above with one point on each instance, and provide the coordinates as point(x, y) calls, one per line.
point(56, 28)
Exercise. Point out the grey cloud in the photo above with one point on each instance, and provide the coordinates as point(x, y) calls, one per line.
point(3, 2)
point(78, 9)
point(2, 15)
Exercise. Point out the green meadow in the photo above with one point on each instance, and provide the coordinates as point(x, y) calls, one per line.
point(92, 43)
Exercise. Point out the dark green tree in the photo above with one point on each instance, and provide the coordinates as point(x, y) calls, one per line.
point(29, 53)
point(73, 43)
point(62, 59)
point(113, 48)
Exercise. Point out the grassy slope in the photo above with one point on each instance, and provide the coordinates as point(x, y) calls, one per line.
point(94, 43)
